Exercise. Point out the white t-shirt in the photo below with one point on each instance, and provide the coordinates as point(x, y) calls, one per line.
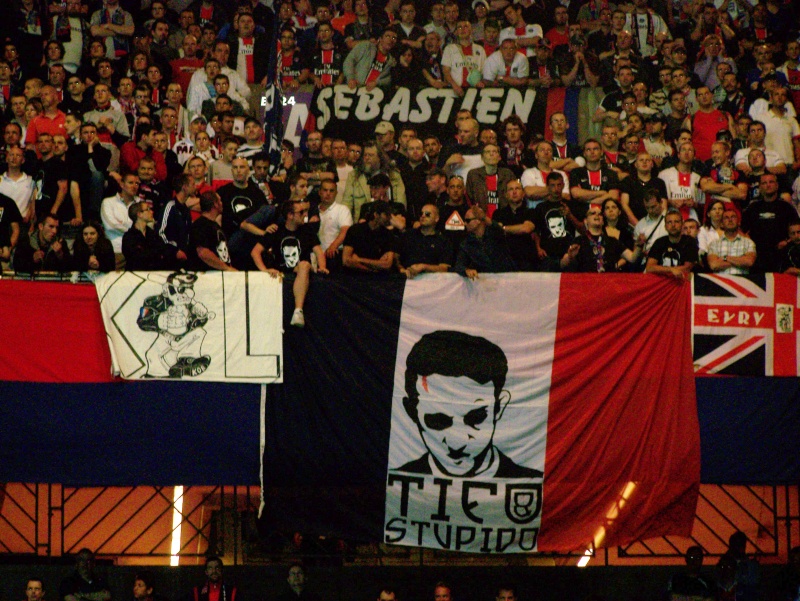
point(772, 157)
point(780, 133)
point(495, 66)
point(649, 226)
point(457, 61)
point(682, 187)
point(20, 191)
point(639, 25)
point(529, 31)
point(331, 222)
point(535, 177)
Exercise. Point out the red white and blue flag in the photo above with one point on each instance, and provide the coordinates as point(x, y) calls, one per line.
point(592, 438)
point(745, 325)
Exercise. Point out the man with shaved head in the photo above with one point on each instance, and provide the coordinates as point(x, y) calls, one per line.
point(52, 121)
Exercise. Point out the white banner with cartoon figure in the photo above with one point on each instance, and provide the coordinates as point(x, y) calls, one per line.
point(205, 326)
point(469, 414)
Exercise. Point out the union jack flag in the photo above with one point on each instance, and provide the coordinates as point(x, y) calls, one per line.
point(745, 325)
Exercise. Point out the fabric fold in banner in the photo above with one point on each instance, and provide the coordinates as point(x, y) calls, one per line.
point(527, 416)
point(205, 326)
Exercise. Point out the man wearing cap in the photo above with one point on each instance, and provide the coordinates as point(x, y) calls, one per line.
point(543, 68)
point(462, 61)
point(654, 142)
point(506, 66)
point(645, 24)
point(370, 65)
point(525, 35)
point(384, 136)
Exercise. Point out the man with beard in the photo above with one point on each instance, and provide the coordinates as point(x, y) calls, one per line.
point(673, 255)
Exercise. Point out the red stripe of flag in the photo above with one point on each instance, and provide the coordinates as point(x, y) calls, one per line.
point(623, 443)
point(59, 338)
point(785, 349)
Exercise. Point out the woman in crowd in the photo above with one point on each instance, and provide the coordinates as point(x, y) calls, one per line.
point(92, 250)
point(408, 71)
point(712, 227)
point(616, 224)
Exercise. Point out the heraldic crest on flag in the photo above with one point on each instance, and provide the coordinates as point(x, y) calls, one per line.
point(196, 326)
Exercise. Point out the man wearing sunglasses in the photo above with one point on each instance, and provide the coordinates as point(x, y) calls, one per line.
point(425, 249)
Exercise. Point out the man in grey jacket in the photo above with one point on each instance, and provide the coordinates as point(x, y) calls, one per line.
point(371, 65)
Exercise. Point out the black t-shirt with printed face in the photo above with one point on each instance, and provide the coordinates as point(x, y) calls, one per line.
point(555, 230)
point(238, 204)
point(205, 233)
point(674, 254)
point(9, 213)
point(284, 249)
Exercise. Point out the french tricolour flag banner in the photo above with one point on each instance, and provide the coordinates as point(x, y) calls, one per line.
point(516, 413)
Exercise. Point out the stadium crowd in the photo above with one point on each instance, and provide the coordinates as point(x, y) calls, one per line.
point(132, 138)
point(735, 576)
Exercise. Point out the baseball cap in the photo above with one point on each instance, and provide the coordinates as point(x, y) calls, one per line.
point(384, 127)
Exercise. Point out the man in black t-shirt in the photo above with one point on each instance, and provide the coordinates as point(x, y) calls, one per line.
point(241, 198)
point(789, 259)
point(208, 246)
point(369, 246)
point(10, 220)
point(425, 249)
point(672, 255)
point(517, 222)
point(315, 167)
point(288, 250)
point(554, 223)
point(52, 179)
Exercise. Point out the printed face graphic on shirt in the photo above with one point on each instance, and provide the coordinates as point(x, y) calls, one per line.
point(290, 250)
point(556, 224)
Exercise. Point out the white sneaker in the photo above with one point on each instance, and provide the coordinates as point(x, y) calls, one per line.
point(298, 319)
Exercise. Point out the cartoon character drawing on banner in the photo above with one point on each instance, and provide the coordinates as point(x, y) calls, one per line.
point(179, 321)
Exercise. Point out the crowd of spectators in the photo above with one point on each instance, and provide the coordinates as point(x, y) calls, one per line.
point(735, 576)
point(131, 138)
